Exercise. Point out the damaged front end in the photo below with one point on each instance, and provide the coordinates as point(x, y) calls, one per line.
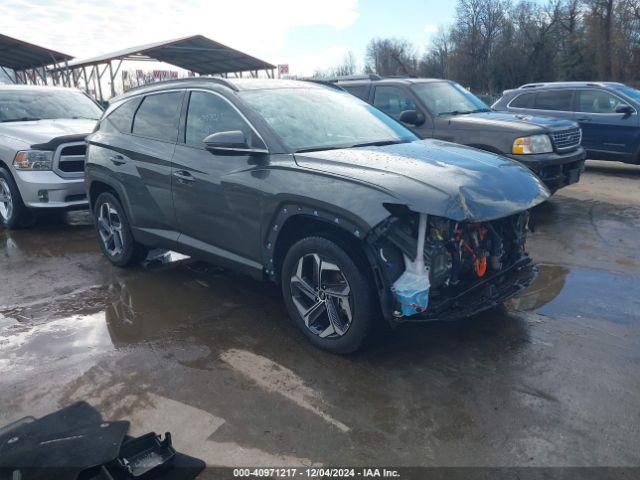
point(469, 266)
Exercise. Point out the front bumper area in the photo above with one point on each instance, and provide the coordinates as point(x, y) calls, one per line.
point(479, 296)
point(61, 193)
point(555, 170)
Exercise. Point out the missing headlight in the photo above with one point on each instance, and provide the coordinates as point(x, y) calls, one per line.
point(458, 255)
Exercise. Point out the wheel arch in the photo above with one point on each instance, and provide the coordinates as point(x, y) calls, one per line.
point(99, 185)
point(300, 226)
point(4, 164)
point(294, 222)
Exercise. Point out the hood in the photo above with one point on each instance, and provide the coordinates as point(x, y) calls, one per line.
point(508, 122)
point(43, 131)
point(437, 178)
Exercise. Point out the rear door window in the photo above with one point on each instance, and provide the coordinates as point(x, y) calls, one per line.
point(598, 101)
point(526, 100)
point(158, 116)
point(559, 100)
point(209, 113)
point(393, 101)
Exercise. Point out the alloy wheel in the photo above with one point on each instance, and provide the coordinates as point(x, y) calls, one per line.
point(6, 200)
point(110, 229)
point(322, 296)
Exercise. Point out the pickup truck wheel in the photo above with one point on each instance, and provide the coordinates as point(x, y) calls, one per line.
point(327, 294)
point(114, 232)
point(13, 213)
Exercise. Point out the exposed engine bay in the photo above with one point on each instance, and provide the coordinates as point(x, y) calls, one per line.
point(470, 266)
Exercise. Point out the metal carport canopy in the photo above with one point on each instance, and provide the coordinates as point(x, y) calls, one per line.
point(198, 54)
point(19, 55)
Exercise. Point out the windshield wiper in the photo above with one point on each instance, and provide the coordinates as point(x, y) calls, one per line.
point(379, 143)
point(456, 112)
point(319, 149)
point(23, 119)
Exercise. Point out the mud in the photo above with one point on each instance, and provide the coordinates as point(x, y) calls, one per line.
point(552, 378)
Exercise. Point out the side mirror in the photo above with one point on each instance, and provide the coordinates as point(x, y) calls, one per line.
point(625, 110)
point(229, 143)
point(412, 117)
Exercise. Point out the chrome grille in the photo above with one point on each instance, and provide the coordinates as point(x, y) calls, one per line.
point(567, 139)
point(69, 159)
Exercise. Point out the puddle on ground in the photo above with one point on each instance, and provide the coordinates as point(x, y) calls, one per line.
point(172, 296)
point(580, 292)
point(58, 236)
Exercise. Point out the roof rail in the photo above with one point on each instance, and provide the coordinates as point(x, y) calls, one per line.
point(372, 77)
point(533, 85)
point(323, 81)
point(218, 80)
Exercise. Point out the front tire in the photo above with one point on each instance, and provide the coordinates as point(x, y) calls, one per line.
point(13, 213)
point(327, 294)
point(114, 232)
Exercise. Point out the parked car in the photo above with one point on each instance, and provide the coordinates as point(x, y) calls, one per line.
point(607, 113)
point(42, 149)
point(443, 109)
point(310, 187)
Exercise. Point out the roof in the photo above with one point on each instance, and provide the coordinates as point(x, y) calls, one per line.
point(266, 84)
point(197, 54)
point(20, 55)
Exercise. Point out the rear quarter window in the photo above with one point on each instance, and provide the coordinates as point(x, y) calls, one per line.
point(122, 117)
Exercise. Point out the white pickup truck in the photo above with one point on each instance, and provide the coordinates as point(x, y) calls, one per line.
point(42, 150)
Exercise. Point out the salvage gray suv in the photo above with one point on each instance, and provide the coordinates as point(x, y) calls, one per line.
point(42, 150)
point(314, 189)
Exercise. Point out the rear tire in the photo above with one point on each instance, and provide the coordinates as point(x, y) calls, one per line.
point(114, 232)
point(327, 294)
point(13, 213)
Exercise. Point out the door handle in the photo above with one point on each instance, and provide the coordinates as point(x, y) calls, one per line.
point(118, 160)
point(183, 176)
point(584, 120)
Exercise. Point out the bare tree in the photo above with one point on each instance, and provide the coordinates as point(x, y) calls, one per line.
point(497, 44)
point(391, 57)
point(348, 66)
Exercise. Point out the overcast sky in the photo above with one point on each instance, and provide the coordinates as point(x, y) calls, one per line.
point(307, 34)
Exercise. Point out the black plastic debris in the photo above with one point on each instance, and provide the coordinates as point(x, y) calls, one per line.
point(75, 443)
point(141, 457)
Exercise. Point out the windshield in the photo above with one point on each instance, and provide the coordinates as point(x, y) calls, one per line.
point(26, 105)
point(319, 118)
point(629, 92)
point(442, 98)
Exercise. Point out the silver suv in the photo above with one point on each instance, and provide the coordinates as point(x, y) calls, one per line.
point(42, 150)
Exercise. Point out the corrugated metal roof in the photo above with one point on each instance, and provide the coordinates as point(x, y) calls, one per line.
point(19, 55)
point(197, 53)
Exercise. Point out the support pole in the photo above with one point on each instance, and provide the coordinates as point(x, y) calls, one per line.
point(96, 79)
point(92, 77)
point(14, 79)
point(86, 80)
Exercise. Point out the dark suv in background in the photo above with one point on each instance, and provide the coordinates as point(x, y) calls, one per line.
point(607, 113)
point(443, 109)
point(312, 188)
